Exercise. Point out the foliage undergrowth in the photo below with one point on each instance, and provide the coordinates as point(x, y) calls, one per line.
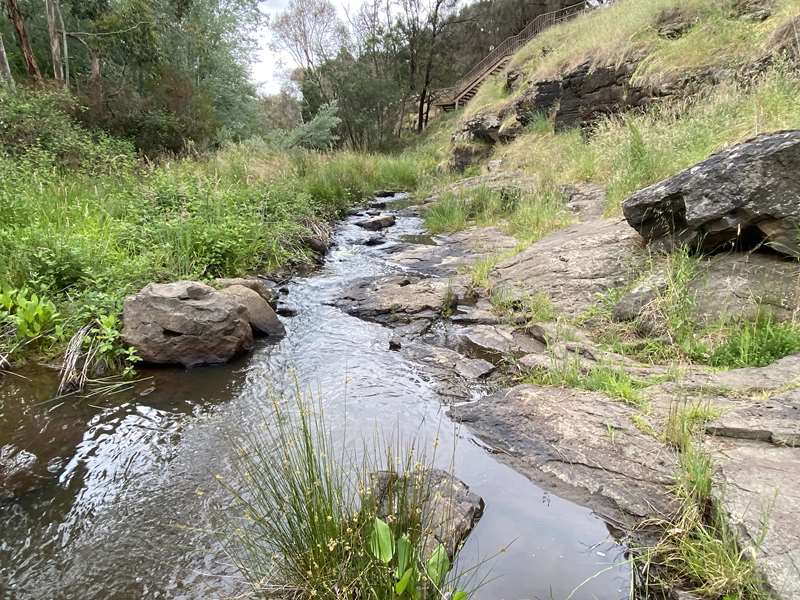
point(83, 223)
point(320, 521)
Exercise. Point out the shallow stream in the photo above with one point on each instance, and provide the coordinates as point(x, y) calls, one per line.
point(130, 506)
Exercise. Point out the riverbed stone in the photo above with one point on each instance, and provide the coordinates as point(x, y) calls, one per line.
point(496, 343)
point(583, 443)
point(18, 472)
point(186, 323)
point(376, 223)
point(743, 196)
point(261, 286)
point(399, 299)
point(575, 265)
point(449, 510)
point(260, 315)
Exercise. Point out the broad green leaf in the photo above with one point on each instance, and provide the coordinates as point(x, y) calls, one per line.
point(460, 595)
point(381, 542)
point(401, 586)
point(438, 565)
point(404, 555)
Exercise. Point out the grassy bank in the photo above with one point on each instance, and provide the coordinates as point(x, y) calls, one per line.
point(83, 223)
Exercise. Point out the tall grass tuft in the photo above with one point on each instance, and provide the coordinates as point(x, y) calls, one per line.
point(320, 521)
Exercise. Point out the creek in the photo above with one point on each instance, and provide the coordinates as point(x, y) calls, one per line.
point(131, 504)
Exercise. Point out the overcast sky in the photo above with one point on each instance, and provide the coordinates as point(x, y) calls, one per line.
point(271, 68)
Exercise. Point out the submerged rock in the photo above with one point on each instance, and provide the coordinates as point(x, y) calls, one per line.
point(186, 323)
point(743, 196)
point(18, 472)
point(376, 223)
point(259, 314)
point(449, 509)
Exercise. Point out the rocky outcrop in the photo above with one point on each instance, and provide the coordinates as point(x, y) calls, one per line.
point(449, 510)
point(574, 265)
point(186, 323)
point(540, 98)
point(481, 128)
point(497, 343)
point(741, 197)
point(589, 92)
point(581, 440)
point(18, 472)
point(259, 314)
point(464, 156)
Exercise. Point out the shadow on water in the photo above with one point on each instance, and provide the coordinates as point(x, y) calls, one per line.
point(129, 501)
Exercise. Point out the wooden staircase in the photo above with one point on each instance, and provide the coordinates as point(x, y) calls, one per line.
point(465, 89)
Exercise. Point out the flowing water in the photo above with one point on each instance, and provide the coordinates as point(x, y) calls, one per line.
point(131, 502)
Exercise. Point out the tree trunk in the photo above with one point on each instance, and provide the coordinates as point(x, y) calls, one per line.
point(22, 38)
point(5, 71)
point(55, 42)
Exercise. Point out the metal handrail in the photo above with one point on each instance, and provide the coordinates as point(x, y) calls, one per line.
point(507, 47)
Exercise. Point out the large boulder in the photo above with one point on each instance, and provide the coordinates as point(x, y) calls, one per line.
point(263, 287)
point(376, 223)
point(742, 196)
point(259, 313)
point(18, 472)
point(480, 128)
point(186, 323)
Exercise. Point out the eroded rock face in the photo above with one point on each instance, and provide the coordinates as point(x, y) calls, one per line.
point(186, 323)
point(18, 472)
point(467, 155)
point(495, 343)
point(449, 509)
point(481, 128)
point(582, 439)
point(259, 314)
point(574, 265)
point(740, 196)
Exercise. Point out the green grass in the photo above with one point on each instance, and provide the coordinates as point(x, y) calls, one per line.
point(698, 550)
point(528, 216)
point(756, 343)
point(612, 381)
point(311, 522)
point(533, 308)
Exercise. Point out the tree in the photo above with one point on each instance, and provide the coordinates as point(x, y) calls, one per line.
point(5, 70)
point(52, 10)
point(18, 22)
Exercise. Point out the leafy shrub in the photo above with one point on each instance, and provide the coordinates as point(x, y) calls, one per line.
point(32, 316)
point(318, 133)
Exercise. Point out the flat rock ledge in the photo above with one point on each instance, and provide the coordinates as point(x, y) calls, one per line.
point(583, 440)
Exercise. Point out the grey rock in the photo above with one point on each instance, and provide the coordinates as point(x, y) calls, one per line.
point(739, 197)
point(264, 288)
point(586, 200)
point(374, 212)
point(186, 323)
point(397, 300)
point(583, 443)
point(259, 314)
point(513, 77)
point(775, 420)
point(375, 240)
point(287, 310)
point(449, 510)
point(376, 223)
point(444, 361)
point(467, 155)
point(574, 265)
point(483, 128)
point(675, 30)
point(757, 488)
point(18, 472)
point(540, 98)
point(496, 343)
